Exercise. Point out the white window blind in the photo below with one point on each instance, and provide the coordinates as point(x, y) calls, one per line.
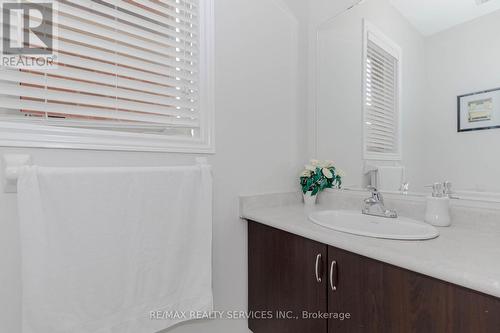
point(381, 98)
point(127, 66)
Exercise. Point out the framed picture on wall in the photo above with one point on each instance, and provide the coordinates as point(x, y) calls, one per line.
point(479, 110)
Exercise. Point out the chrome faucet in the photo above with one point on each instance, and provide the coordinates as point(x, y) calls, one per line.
point(375, 205)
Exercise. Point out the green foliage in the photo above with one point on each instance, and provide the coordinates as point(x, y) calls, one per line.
point(317, 180)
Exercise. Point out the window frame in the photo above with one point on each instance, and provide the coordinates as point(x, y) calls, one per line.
point(32, 135)
point(384, 42)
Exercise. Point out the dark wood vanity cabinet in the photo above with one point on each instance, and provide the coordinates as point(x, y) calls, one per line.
point(280, 286)
point(290, 276)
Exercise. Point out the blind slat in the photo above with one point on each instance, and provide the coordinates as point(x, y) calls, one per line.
point(376, 132)
point(90, 88)
point(378, 60)
point(183, 5)
point(133, 20)
point(132, 42)
point(128, 6)
point(129, 62)
point(107, 56)
point(373, 48)
point(381, 74)
point(112, 23)
point(63, 110)
point(381, 95)
point(81, 99)
point(112, 69)
point(380, 102)
point(71, 28)
point(373, 119)
point(376, 65)
point(181, 12)
point(112, 80)
point(379, 82)
point(376, 113)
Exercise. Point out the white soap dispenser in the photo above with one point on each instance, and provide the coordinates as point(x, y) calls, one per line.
point(437, 210)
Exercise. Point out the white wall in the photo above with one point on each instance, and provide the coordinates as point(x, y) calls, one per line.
point(338, 55)
point(259, 138)
point(461, 60)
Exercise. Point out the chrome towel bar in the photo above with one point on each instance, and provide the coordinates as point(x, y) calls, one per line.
point(13, 162)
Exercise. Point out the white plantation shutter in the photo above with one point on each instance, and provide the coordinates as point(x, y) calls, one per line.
point(381, 98)
point(128, 66)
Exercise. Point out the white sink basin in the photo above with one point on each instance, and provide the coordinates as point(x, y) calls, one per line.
point(356, 223)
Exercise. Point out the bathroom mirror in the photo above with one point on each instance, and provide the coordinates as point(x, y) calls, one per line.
point(410, 88)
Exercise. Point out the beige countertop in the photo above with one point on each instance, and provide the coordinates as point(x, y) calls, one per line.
point(463, 254)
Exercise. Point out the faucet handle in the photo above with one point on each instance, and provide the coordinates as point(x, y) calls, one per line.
point(448, 188)
point(437, 190)
point(375, 193)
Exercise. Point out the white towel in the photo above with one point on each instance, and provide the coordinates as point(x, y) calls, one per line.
point(104, 247)
point(390, 178)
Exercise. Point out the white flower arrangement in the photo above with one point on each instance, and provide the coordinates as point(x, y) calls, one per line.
point(318, 175)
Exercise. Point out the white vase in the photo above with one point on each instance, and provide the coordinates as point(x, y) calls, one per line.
point(309, 199)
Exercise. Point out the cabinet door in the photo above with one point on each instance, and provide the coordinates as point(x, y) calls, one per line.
point(383, 298)
point(287, 275)
point(355, 287)
point(419, 303)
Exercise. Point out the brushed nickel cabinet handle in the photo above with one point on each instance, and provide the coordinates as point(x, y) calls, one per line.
point(333, 275)
point(318, 262)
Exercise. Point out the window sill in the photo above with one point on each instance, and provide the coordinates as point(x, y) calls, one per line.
point(382, 156)
point(38, 136)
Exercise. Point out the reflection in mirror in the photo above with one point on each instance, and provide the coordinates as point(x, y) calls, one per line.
point(407, 93)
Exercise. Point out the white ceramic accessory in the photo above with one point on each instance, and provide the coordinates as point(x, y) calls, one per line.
point(437, 211)
point(309, 199)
